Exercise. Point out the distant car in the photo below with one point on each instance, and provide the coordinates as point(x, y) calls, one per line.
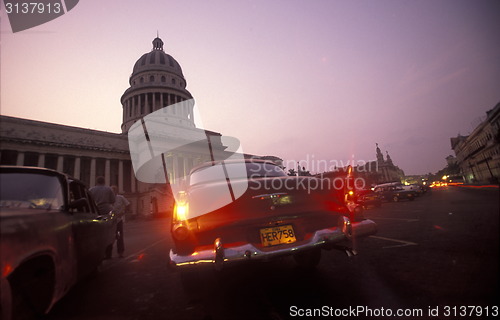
point(394, 192)
point(51, 236)
point(416, 189)
point(274, 215)
point(368, 198)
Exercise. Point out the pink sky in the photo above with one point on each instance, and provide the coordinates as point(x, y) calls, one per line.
point(322, 80)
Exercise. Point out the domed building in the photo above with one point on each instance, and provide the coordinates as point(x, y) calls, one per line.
point(156, 82)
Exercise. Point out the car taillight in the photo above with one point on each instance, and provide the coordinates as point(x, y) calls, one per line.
point(181, 211)
point(181, 208)
point(349, 196)
point(181, 224)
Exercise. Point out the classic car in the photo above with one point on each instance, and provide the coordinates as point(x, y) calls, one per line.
point(368, 198)
point(235, 211)
point(394, 192)
point(51, 236)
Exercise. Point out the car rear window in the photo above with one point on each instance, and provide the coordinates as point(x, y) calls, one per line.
point(235, 171)
point(30, 190)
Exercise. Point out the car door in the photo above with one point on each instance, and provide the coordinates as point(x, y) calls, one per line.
point(87, 229)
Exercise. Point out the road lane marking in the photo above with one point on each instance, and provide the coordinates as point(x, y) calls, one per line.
point(136, 255)
point(397, 219)
point(403, 243)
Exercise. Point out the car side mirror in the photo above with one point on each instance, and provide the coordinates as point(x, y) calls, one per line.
point(78, 204)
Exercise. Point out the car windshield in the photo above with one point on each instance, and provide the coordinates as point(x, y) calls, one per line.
point(30, 190)
point(236, 171)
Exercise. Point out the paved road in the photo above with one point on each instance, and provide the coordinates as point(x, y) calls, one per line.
point(430, 255)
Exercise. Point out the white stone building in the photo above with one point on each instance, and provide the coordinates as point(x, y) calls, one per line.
point(478, 154)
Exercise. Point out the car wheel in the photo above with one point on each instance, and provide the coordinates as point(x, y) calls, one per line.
point(6, 299)
point(32, 288)
point(308, 259)
point(395, 199)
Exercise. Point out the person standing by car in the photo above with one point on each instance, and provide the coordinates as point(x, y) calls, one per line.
point(103, 196)
point(119, 208)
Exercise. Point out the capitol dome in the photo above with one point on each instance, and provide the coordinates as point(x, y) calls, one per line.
point(157, 59)
point(157, 82)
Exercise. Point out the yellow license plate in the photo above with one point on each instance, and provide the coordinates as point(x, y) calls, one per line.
point(277, 235)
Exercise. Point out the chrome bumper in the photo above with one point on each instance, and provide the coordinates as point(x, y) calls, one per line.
point(220, 256)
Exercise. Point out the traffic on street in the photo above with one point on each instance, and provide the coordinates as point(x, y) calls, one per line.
point(432, 258)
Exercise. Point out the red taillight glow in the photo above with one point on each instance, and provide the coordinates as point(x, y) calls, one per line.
point(7, 270)
point(181, 211)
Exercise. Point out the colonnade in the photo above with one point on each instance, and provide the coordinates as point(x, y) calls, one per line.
point(142, 104)
point(86, 168)
point(118, 172)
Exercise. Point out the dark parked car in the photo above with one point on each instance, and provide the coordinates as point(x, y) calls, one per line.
point(51, 236)
point(394, 192)
point(240, 211)
point(368, 198)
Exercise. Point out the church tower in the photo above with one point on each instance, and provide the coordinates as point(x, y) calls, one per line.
point(157, 82)
point(380, 156)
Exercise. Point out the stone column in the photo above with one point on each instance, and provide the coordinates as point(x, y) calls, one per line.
point(41, 160)
point(161, 101)
point(20, 158)
point(139, 100)
point(60, 162)
point(146, 103)
point(134, 106)
point(107, 171)
point(132, 179)
point(92, 172)
point(126, 114)
point(120, 176)
point(76, 171)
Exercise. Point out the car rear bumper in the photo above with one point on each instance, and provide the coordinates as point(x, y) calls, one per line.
point(220, 256)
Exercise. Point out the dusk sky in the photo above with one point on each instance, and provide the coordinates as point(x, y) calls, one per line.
point(317, 80)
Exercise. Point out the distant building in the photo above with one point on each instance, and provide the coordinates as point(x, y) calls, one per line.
point(478, 154)
point(451, 160)
point(416, 179)
point(380, 171)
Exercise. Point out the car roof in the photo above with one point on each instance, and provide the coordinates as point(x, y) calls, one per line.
point(389, 184)
point(4, 168)
point(231, 161)
point(38, 170)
